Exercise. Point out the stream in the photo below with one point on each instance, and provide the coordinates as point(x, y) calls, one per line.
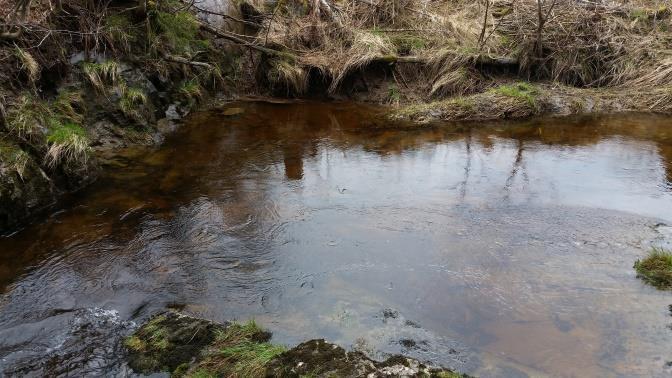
point(499, 250)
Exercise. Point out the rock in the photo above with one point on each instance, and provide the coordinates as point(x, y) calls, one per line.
point(168, 341)
point(233, 111)
point(24, 186)
point(183, 345)
point(172, 113)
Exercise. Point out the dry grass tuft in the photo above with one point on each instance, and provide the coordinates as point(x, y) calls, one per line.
point(101, 74)
point(285, 74)
point(28, 64)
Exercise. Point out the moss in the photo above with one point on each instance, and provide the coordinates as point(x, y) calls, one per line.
point(134, 343)
point(656, 268)
point(522, 91)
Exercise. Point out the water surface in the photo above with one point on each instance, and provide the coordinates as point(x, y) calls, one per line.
point(497, 250)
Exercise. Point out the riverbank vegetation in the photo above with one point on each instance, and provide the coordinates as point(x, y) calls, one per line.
point(136, 62)
point(190, 347)
point(656, 268)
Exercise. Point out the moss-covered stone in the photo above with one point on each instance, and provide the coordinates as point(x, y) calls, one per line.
point(168, 341)
point(190, 347)
point(24, 187)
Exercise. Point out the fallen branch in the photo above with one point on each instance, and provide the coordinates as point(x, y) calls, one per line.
point(179, 59)
point(238, 40)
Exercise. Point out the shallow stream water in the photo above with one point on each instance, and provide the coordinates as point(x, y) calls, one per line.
point(499, 250)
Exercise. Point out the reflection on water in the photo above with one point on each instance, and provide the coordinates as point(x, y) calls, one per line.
point(499, 250)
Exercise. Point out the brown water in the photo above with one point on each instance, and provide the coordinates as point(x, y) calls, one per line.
point(500, 250)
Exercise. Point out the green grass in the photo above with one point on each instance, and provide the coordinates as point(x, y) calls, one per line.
point(179, 31)
point(132, 101)
point(522, 91)
point(68, 144)
point(406, 43)
point(393, 93)
point(656, 268)
point(238, 352)
point(191, 90)
point(66, 104)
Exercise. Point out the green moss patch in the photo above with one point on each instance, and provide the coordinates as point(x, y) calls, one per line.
point(521, 91)
point(169, 341)
point(656, 268)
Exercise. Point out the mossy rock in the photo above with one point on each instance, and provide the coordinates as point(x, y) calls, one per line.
point(189, 347)
point(168, 341)
point(318, 358)
point(24, 187)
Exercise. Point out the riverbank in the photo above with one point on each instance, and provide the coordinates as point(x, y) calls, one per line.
point(185, 346)
point(80, 80)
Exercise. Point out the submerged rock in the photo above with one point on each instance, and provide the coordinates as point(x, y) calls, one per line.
point(188, 346)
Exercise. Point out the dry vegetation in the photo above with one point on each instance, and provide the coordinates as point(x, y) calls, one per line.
point(435, 50)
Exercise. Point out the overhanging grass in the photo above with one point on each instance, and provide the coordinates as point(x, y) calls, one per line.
point(68, 144)
point(241, 350)
point(656, 268)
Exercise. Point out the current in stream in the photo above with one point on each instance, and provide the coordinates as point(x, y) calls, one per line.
point(499, 250)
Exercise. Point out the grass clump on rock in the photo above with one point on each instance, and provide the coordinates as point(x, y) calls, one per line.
point(240, 350)
point(68, 144)
point(656, 268)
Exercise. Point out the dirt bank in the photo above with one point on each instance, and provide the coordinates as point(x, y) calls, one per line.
point(190, 347)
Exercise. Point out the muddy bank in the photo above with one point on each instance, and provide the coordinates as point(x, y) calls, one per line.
point(186, 346)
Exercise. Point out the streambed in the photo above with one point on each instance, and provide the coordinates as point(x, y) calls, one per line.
point(496, 249)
